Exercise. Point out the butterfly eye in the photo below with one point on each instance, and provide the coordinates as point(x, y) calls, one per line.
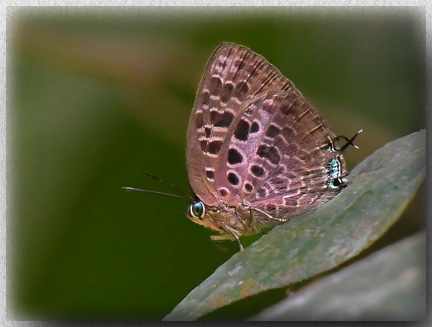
point(197, 210)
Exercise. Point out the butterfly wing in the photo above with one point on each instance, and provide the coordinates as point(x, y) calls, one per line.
point(234, 76)
point(279, 156)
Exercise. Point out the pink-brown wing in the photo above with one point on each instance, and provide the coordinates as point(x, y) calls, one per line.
point(279, 157)
point(234, 76)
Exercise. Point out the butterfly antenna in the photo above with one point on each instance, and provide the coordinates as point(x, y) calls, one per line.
point(151, 176)
point(152, 192)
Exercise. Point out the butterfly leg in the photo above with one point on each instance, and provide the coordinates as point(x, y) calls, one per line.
point(225, 237)
point(282, 220)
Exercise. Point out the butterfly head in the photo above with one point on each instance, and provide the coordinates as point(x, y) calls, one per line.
point(214, 218)
point(197, 211)
point(200, 214)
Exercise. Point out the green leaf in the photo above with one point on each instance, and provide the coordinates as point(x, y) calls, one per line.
point(380, 188)
point(388, 285)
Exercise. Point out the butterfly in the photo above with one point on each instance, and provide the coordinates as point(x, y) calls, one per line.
point(257, 152)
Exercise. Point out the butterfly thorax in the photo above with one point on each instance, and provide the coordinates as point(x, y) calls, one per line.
point(230, 220)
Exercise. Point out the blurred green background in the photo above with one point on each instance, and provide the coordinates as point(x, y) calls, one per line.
point(97, 96)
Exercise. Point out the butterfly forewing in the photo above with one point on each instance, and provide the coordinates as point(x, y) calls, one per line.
point(234, 76)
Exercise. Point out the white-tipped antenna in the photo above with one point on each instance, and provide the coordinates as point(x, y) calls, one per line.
point(180, 195)
point(152, 192)
point(167, 184)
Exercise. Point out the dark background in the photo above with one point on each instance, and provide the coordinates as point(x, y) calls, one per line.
point(97, 96)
